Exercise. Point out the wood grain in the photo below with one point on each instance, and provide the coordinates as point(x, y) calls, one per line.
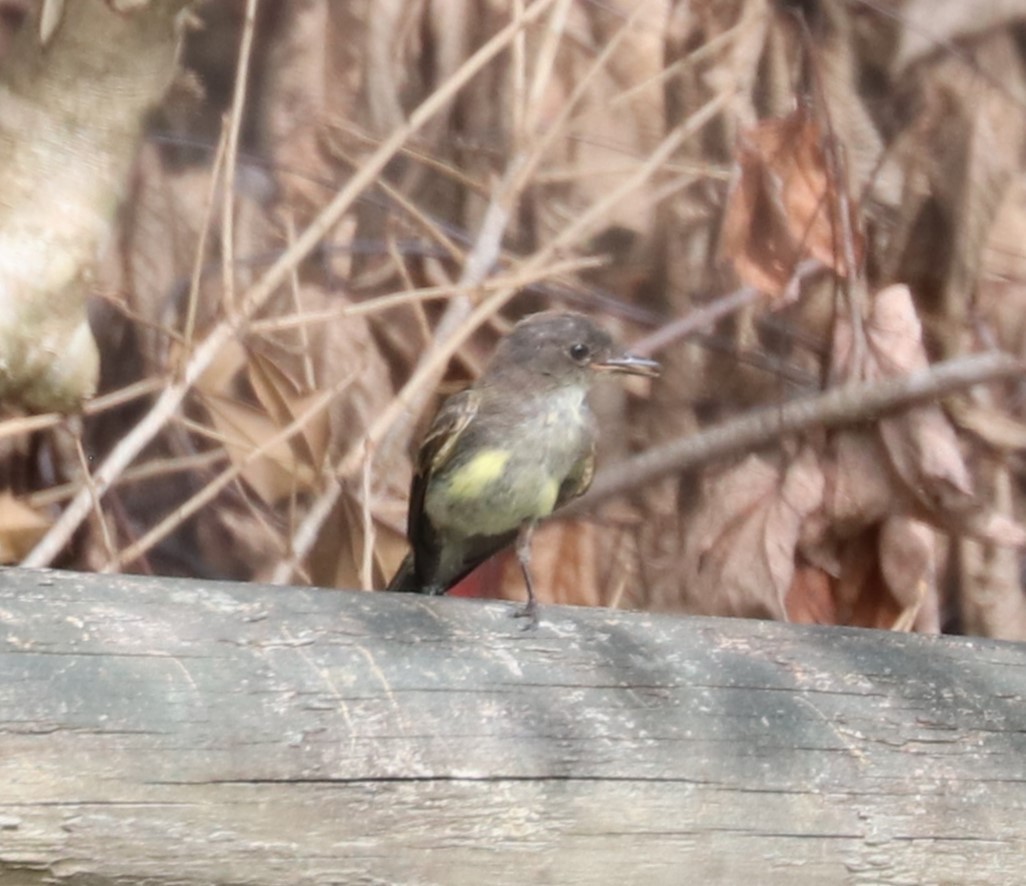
point(169, 731)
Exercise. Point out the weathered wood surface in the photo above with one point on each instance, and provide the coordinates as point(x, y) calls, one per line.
point(166, 731)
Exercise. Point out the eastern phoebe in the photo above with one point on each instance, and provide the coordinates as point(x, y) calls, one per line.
point(508, 451)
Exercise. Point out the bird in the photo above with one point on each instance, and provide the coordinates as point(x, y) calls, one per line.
point(508, 451)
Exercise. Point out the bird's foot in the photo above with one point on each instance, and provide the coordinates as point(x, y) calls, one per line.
point(529, 611)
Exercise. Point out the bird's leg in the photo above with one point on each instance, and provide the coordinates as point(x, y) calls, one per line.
point(530, 609)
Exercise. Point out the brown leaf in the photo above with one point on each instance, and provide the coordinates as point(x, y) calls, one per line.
point(894, 334)
point(997, 529)
point(872, 567)
point(919, 444)
point(20, 528)
point(782, 206)
point(881, 573)
point(990, 590)
point(860, 490)
point(276, 473)
point(285, 403)
point(908, 566)
point(888, 578)
point(810, 599)
point(957, 154)
point(337, 558)
point(858, 587)
point(927, 25)
point(924, 452)
point(218, 379)
point(740, 557)
point(996, 428)
point(990, 595)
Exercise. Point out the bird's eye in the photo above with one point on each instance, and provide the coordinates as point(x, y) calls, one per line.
point(580, 352)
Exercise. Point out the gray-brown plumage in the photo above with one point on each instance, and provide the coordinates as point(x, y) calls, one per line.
point(507, 451)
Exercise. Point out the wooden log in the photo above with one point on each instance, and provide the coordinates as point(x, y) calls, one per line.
point(169, 731)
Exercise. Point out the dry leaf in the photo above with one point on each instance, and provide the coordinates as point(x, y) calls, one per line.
point(337, 558)
point(909, 465)
point(810, 599)
point(285, 404)
point(894, 335)
point(929, 26)
point(990, 580)
point(924, 452)
point(219, 378)
point(908, 565)
point(860, 490)
point(919, 444)
point(959, 153)
point(740, 556)
point(275, 474)
point(995, 427)
point(782, 206)
point(886, 577)
point(20, 528)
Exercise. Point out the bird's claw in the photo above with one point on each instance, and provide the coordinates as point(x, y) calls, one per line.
point(529, 611)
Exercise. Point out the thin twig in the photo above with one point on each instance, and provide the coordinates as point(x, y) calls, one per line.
point(369, 535)
point(839, 214)
point(231, 155)
point(83, 463)
point(28, 424)
point(155, 468)
point(695, 321)
point(217, 172)
point(544, 64)
point(846, 405)
point(516, 278)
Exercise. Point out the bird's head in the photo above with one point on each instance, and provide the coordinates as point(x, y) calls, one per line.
point(563, 347)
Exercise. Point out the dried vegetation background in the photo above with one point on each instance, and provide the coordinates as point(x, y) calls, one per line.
point(773, 198)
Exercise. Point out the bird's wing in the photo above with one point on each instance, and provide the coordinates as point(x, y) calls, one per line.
point(436, 450)
point(579, 479)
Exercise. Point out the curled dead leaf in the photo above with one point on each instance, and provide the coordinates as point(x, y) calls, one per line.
point(917, 447)
point(783, 206)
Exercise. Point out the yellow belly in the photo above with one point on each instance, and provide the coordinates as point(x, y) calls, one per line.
point(482, 498)
point(475, 477)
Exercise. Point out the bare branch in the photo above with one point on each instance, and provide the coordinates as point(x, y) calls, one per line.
point(840, 406)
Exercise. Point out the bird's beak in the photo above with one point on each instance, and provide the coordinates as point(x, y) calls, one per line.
point(629, 364)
